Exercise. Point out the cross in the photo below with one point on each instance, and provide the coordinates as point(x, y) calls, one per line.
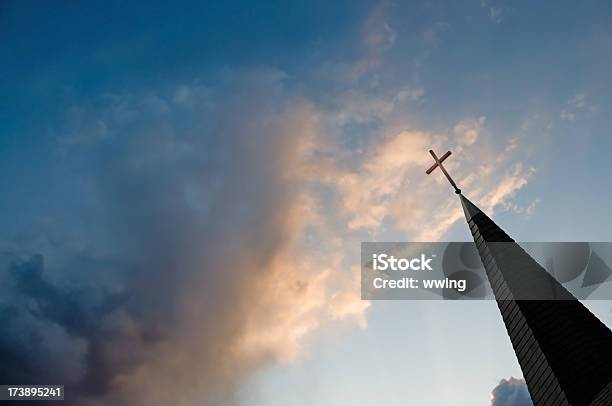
point(439, 163)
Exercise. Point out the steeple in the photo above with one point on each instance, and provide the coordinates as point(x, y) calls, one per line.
point(564, 351)
point(469, 209)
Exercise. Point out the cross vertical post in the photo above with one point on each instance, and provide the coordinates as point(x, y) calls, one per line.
point(439, 164)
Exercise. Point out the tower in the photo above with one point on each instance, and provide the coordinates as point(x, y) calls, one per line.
point(564, 351)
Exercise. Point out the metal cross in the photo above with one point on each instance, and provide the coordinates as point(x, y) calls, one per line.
point(439, 164)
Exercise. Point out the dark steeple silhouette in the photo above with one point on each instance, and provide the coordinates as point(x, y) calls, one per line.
point(564, 351)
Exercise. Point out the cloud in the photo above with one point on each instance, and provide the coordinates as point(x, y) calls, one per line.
point(511, 392)
point(209, 273)
point(516, 177)
point(576, 105)
point(357, 107)
point(567, 116)
point(377, 38)
point(578, 101)
point(367, 193)
point(377, 33)
point(409, 94)
point(386, 189)
point(468, 131)
point(227, 213)
point(495, 13)
point(213, 203)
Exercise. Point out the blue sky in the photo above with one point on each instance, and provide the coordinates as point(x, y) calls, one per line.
point(196, 179)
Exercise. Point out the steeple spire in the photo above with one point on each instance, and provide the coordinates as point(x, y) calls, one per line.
point(564, 351)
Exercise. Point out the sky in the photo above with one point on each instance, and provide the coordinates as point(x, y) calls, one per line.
point(186, 186)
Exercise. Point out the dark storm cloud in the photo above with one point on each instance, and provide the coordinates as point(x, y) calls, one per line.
point(43, 321)
point(70, 309)
point(511, 392)
point(192, 190)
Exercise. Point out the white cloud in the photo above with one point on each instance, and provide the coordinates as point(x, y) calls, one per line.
point(511, 392)
point(496, 13)
point(578, 101)
point(467, 131)
point(389, 183)
point(567, 116)
point(409, 94)
point(576, 105)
